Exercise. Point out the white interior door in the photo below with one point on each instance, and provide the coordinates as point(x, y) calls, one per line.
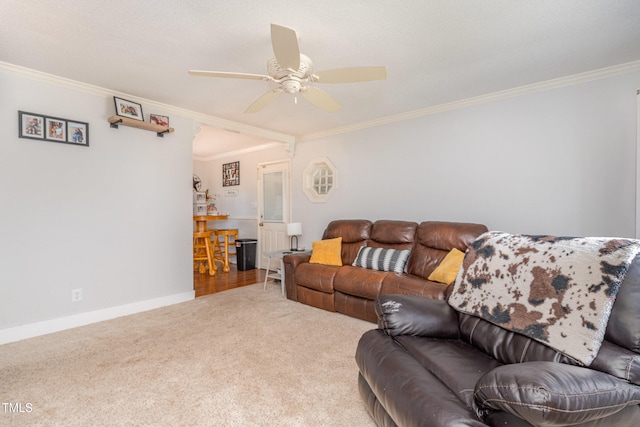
point(274, 208)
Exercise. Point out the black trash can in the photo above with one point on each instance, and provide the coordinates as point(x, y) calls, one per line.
point(246, 254)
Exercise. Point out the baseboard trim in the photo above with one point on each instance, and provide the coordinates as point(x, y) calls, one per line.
point(19, 333)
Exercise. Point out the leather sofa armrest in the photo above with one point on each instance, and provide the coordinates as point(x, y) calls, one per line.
point(554, 394)
point(291, 262)
point(414, 315)
point(294, 259)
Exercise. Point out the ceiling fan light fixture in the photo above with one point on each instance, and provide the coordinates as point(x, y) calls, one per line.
point(291, 86)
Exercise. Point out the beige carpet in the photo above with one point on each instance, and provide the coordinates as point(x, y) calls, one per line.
point(243, 357)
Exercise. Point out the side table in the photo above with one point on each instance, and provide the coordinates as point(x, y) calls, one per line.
point(278, 276)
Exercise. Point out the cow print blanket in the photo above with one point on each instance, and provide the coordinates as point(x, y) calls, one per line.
point(556, 290)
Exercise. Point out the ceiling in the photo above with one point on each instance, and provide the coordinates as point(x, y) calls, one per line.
point(436, 51)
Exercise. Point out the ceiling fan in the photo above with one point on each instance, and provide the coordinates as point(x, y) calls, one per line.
point(293, 71)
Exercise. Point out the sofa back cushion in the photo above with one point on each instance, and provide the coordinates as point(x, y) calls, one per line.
point(623, 328)
point(503, 345)
point(434, 240)
point(393, 234)
point(354, 232)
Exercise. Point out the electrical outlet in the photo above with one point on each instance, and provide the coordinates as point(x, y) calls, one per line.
point(76, 295)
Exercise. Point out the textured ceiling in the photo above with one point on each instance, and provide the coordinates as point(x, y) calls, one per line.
point(436, 51)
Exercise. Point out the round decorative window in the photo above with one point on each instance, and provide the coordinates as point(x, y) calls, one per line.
point(320, 180)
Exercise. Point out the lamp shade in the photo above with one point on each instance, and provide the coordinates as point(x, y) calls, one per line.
point(294, 229)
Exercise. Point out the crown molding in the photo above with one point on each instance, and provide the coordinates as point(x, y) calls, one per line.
point(588, 76)
point(100, 91)
point(239, 152)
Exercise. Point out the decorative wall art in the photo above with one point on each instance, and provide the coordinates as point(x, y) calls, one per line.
point(31, 125)
point(77, 132)
point(230, 174)
point(56, 129)
point(39, 126)
point(128, 109)
point(157, 119)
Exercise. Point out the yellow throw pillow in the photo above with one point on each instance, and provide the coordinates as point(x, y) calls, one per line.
point(327, 252)
point(447, 270)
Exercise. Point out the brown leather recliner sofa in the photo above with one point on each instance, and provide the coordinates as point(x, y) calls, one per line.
point(352, 290)
point(429, 364)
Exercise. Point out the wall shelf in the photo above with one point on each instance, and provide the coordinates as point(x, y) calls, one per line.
point(116, 121)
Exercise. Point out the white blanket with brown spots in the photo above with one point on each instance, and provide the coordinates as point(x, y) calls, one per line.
point(556, 290)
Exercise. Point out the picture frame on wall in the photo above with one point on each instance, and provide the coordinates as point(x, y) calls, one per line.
point(31, 125)
point(129, 109)
point(78, 133)
point(157, 119)
point(231, 174)
point(55, 129)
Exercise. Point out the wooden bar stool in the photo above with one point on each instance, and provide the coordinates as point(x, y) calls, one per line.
point(221, 248)
point(203, 252)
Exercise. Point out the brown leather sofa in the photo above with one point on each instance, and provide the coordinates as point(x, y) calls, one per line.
point(429, 365)
point(352, 290)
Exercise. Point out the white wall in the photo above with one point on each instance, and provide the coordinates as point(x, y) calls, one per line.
point(113, 218)
point(560, 161)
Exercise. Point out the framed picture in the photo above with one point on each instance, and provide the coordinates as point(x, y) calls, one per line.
point(78, 133)
point(31, 125)
point(157, 119)
point(55, 129)
point(128, 109)
point(231, 174)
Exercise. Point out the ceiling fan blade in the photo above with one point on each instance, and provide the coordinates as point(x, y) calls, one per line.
point(285, 46)
point(262, 102)
point(229, 75)
point(352, 74)
point(321, 99)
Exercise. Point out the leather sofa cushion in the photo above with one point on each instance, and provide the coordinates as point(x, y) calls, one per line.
point(413, 285)
point(316, 276)
point(354, 233)
point(624, 323)
point(434, 240)
point(359, 281)
point(506, 346)
point(554, 394)
point(411, 395)
point(456, 364)
point(510, 347)
point(448, 235)
point(389, 232)
point(424, 260)
point(618, 361)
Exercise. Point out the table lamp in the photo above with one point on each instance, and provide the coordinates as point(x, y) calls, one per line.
point(294, 229)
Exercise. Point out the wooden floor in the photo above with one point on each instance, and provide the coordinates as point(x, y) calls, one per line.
point(204, 284)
